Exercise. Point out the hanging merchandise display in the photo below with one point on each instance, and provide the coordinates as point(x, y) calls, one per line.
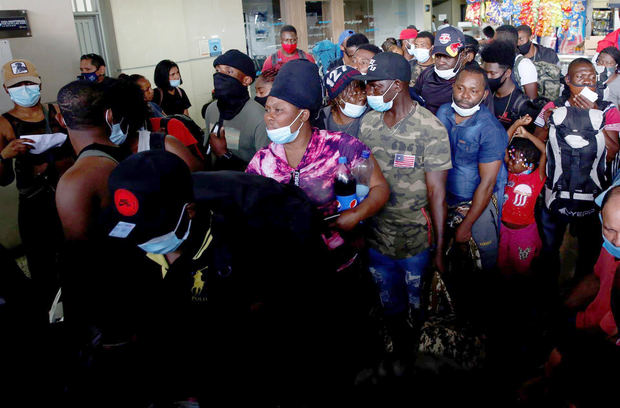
point(493, 13)
point(573, 32)
point(474, 12)
point(547, 18)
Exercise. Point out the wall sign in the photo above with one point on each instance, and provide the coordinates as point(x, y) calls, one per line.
point(215, 47)
point(14, 23)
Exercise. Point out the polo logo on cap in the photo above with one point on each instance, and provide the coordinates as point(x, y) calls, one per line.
point(19, 67)
point(445, 38)
point(371, 65)
point(126, 202)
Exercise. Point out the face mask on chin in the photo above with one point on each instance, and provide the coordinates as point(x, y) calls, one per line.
point(169, 242)
point(449, 73)
point(466, 112)
point(607, 244)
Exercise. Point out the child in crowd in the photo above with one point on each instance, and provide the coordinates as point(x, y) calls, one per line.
point(519, 241)
point(263, 85)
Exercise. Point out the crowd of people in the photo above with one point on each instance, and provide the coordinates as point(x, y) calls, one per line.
point(218, 263)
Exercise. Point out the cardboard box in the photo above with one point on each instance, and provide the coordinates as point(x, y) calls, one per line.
point(592, 42)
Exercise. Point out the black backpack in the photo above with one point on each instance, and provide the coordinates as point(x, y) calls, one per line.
point(575, 160)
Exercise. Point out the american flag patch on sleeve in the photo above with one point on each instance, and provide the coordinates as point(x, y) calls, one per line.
point(404, 160)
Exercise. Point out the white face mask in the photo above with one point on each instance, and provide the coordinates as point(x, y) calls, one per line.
point(422, 54)
point(448, 73)
point(466, 112)
point(352, 110)
point(410, 48)
point(599, 68)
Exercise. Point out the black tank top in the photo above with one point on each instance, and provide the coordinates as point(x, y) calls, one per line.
point(114, 153)
point(27, 182)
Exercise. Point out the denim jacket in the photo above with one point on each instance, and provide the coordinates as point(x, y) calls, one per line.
point(479, 139)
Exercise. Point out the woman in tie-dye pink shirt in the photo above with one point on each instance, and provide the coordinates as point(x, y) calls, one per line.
point(315, 175)
point(308, 157)
point(317, 169)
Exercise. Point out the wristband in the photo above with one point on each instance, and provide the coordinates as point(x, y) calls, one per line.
point(228, 155)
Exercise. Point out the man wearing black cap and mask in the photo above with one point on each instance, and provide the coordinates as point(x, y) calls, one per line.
point(235, 121)
point(413, 152)
point(235, 308)
point(435, 85)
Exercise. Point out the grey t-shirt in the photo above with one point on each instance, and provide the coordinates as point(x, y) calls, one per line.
point(352, 128)
point(246, 133)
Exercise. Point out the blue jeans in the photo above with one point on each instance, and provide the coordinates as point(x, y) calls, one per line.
point(399, 280)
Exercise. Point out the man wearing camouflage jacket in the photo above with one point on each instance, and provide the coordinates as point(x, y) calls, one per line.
point(413, 150)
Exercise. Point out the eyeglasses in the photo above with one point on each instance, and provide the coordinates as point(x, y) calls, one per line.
point(357, 60)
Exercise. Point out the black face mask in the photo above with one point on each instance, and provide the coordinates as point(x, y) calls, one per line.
point(231, 95)
point(261, 99)
point(525, 48)
point(496, 83)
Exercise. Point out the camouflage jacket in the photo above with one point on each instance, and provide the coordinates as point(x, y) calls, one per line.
point(417, 144)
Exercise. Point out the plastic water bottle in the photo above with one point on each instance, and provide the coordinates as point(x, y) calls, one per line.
point(362, 173)
point(344, 186)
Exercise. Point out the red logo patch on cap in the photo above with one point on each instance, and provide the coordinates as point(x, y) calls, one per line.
point(126, 202)
point(445, 38)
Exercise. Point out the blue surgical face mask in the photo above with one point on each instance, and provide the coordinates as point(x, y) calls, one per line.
point(609, 247)
point(25, 95)
point(284, 134)
point(117, 136)
point(169, 242)
point(352, 110)
point(175, 83)
point(376, 101)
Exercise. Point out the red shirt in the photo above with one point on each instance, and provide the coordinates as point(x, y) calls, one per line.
point(598, 313)
point(282, 59)
point(520, 197)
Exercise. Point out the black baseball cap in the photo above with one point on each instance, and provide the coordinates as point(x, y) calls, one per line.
point(448, 41)
point(148, 191)
point(387, 65)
